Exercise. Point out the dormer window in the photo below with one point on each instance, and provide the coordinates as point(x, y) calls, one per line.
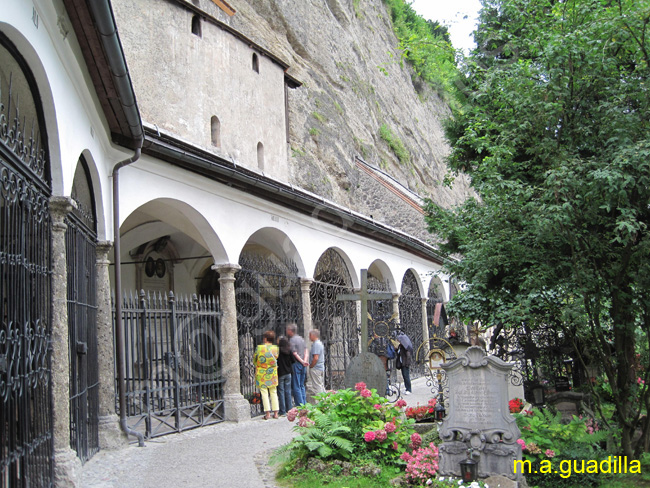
point(256, 63)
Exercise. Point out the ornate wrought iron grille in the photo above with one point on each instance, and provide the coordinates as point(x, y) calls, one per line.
point(81, 241)
point(336, 320)
point(381, 311)
point(268, 296)
point(410, 317)
point(26, 431)
point(82, 329)
point(173, 375)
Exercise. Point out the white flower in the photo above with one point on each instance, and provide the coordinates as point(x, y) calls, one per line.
point(429, 481)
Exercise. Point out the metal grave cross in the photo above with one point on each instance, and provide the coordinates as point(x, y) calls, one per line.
point(364, 296)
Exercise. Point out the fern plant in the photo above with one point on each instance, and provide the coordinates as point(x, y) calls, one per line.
point(323, 437)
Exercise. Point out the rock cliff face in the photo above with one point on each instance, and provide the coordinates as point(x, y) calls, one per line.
point(344, 52)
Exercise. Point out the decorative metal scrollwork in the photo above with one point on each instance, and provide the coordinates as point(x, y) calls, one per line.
point(337, 320)
point(268, 296)
point(410, 316)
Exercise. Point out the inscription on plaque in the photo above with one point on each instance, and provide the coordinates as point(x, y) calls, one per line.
point(476, 402)
point(479, 418)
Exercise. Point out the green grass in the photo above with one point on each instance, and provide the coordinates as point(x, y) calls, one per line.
point(314, 132)
point(311, 479)
point(395, 143)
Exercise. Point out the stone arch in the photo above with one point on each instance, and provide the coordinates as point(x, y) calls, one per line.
point(268, 296)
point(175, 233)
point(336, 320)
point(380, 270)
point(46, 98)
point(410, 313)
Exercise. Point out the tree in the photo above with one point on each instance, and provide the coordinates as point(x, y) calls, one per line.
point(554, 132)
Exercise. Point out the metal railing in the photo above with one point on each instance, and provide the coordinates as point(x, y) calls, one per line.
point(174, 380)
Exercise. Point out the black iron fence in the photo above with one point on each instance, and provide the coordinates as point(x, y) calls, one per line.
point(173, 375)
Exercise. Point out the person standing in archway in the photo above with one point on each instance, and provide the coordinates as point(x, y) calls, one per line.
point(316, 365)
point(299, 374)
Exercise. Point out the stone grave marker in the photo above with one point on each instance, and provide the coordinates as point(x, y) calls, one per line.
point(479, 417)
point(366, 367)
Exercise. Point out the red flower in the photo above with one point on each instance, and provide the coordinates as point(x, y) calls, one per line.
point(515, 405)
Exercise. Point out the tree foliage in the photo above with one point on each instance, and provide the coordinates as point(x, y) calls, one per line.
point(554, 132)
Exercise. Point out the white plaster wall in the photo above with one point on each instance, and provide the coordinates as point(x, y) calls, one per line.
point(74, 121)
point(224, 219)
point(182, 80)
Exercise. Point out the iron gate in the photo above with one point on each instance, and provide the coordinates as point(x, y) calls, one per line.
point(336, 320)
point(26, 432)
point(268, 296)
point(410, 317)
point(173, 363)
point(80, 246)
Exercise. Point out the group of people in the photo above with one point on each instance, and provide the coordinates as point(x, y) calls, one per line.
point(281, 370)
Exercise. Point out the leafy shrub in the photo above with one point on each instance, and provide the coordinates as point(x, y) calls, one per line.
point(350, 424)
point(545, 437)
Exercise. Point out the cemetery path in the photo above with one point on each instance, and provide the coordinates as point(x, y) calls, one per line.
point(222, 455)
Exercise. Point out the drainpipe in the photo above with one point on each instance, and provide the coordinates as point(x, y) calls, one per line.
point(110, 41)
point(119, 325)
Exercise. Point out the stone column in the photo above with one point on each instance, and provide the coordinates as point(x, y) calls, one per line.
point(425, 330)
point(305, 287)
point(235, 405)
point(110, 434)
point(66, 462)
point(396, 305)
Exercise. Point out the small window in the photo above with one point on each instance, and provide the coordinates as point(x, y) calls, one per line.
point(215, 131)
point(260, 156)
point(256, 63)
point(196, 25)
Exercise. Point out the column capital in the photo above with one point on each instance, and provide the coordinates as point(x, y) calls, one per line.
point(424, 300)
point(396, 296)
point(305, 284)
point(226, 270)
point(59, 208)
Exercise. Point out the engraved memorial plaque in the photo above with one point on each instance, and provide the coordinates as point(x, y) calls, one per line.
point(479, 417)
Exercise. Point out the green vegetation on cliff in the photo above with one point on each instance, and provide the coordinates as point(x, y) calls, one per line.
point(425, 44)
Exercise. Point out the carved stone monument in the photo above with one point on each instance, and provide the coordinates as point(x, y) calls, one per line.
point(366, 367)
point(479, 417)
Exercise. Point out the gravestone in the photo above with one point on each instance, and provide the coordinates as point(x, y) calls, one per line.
point(479, 417)
point(367, 367)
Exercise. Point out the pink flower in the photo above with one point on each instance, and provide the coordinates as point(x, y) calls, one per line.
point(291, 414)
point(360, 386)
point(377, 406)
point(550, 453)
point(401, 402)
point(389, 427)
point(369, 436)
point(432, 402)
point(380, 435)
point(302, 413)
point(522, 443)
point(302, 421)
point(416, 440)
point(395, 446)
point(365, 393)
point(405, 456)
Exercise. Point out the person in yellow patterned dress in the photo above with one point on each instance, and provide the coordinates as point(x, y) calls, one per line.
point(266, 373)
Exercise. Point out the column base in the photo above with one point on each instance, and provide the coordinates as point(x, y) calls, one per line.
point(111, 437)
point(67, 467)
point(236, 408)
